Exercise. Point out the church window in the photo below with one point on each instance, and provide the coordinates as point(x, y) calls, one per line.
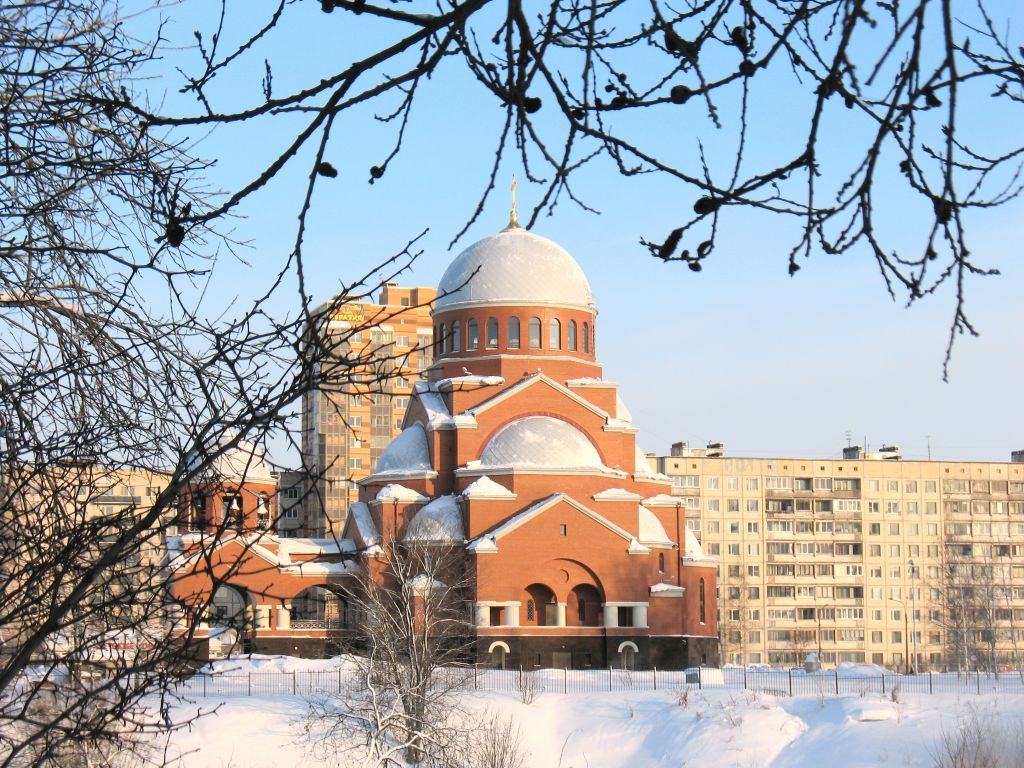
point(456, 336)
point(472, 335)
point(534, 333)
point(571, 336)
point(531, 610)
point(492, 333)
point(582, 612)
point(555, 338)
point(661, 562)
point(703, 607)
point(586, 337)
point(442, 341)
point(513, 333)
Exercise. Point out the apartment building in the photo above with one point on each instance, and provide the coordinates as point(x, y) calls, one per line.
point(869, 558)
point(354, 415)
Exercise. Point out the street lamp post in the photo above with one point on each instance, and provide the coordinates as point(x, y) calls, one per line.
point(913, 603)
point(906, 639)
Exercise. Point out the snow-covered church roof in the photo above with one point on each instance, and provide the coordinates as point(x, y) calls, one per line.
point(244, 462)
point(540, 441)
point(652, 532)
point(406, 453)
point(514, 267)
point(438, 522)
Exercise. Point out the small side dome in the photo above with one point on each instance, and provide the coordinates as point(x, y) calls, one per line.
point(514, 267)
point(652, 532)
point(244, 463)
point(540, 441)
point(440, 522)
point(406, 453)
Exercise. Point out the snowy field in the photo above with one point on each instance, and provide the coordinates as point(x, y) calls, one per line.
point(641, 729)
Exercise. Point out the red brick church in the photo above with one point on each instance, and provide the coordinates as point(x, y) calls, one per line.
point(517, 450)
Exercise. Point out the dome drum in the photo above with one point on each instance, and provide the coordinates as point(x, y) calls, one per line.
point(514, 330)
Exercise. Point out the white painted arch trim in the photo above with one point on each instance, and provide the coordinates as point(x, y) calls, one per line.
point(499, 644)
point(628, 644)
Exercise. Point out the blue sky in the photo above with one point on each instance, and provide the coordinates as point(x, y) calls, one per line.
point(740, 352)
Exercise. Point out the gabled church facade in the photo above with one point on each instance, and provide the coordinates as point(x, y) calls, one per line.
point(517, 451)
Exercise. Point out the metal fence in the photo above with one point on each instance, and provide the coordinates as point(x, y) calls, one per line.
point(574, 681)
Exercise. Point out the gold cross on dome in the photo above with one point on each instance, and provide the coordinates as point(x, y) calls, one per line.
point(513, 218)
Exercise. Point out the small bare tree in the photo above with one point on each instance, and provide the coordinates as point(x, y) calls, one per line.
point(415, 639)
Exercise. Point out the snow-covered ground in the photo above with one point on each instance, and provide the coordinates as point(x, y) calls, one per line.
point(640, 729)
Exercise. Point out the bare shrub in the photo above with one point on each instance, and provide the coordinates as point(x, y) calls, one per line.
point(497, 743)
point(683, 697)
point(980, 741)
point(528, 688)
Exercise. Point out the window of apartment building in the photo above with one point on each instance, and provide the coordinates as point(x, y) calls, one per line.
point(753, 593)
point(874, 507)
point(753, 549)
point(733, 505)
point(894, 572)
point(876, 636)
point(752, 484)
point(913, 529)
point(873, 486)
point(846, 505)
point(894, 550)
point(897, 636)
point(691, 503)
point(876, 594)
point(712, 526)
point(824, 550)
point(778, 483)
point(734, 594)
point(824, 571)
point(734, 571)
point(712, 505)
point(686, 481)
point(712, 483)
point(754, 636)
point(823, 483)
point(355, 463)
point(875, 529)
point(953, 485)
point(779, 526)
point(875, 550)
point(876, 614)
point(355, 442)
point(752, 505)
point(824, 526)
point(853, 570)
point(776, 569)
point(734, 550)
point(930, 486)
point(803, 505)
point(931, 508)
point(803, 484)
point(851, 635)
point(714, 550)
point(846, 484)
point(734, 526)
point(896, 593)
point(893, 486)
point(910, 486)
point(753, 527)
point(732, 483)
point(693, 524)
point(754, 571)
point(894, 529)
point(911, 507)
point(779, 548)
